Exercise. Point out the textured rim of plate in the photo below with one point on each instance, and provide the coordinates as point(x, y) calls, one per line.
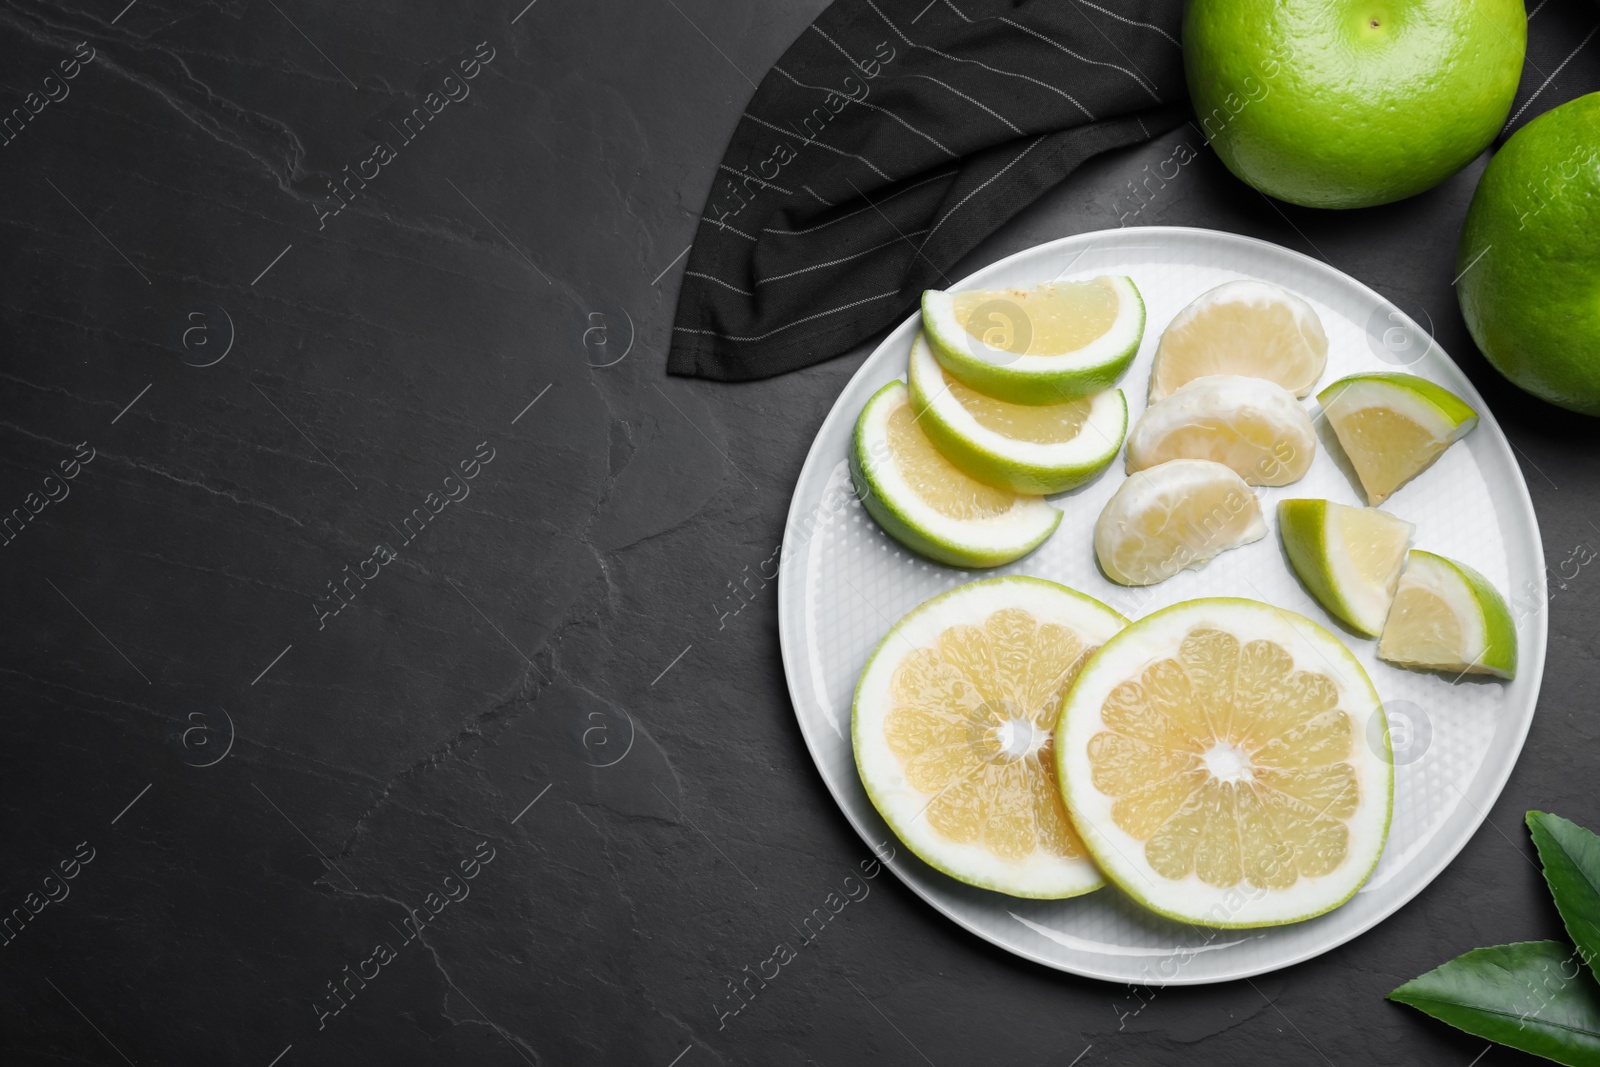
point(789, 642)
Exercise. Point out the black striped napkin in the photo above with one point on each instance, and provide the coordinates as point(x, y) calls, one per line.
point(891, 137)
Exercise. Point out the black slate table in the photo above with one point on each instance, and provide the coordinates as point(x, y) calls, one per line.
point(389, 670)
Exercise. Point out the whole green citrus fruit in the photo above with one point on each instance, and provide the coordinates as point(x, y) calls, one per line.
point(1349, 103)
point(1529, 259)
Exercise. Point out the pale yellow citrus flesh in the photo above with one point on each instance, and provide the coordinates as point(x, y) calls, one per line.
point(972, 723)
point(1375, 544)
point(1238, 337)
point(1044, 424)
point(1253, 447)
point(1230, 764)
point(935, 479)
point(1422, 628)
point(1059, 317)
point(1386, 448)
point(1180, 527)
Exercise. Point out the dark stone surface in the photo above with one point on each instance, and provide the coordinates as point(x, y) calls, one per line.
point(552, 639)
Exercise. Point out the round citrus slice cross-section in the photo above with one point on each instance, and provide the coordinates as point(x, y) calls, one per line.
point(1242, 327)
point(926, 503)
point(954, 724)
point(1039, 345)
point(1227, 763)
point(1027, 448)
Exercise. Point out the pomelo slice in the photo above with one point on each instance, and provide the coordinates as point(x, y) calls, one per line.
point(953, 726)
point(1040, 345)
point(1447, 617)
point(923, 501)
point(1393, 426)
point(1027, 448)
point(1349, 558)
point(1217, 759)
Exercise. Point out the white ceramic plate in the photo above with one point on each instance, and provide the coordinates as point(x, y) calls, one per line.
point(845, 583)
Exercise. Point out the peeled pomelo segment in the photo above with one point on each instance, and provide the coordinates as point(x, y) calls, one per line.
point(1037, 346)
point(1448, 617)
point(1247, 328)
point(1392, 426)
point(923, 501)
point(1174, 516)
point(1027, 448)
point(1348, 558)
point(953, 726)
point(1251, 425)
point(1215, 757)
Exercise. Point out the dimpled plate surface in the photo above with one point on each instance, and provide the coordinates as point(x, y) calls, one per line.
point(844, 583)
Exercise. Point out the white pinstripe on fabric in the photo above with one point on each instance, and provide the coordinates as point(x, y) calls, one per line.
point(872, 107)
point(915, 248)
point(719, 224)
point(813, 192)
point(1149, 81)
point(803, 139)
point(976, 103)
point(764, 184)
point(985, 66)
point(986, 182)
point(1137, 79)
point(842, 259)
point(796, 322)
point(719, 281)
point(1131, 22)
point(820, 32)
point(936, 81)
point(859, 210)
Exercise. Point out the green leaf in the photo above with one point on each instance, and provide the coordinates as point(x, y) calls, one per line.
point(1571, 858)
point(1533, 995)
